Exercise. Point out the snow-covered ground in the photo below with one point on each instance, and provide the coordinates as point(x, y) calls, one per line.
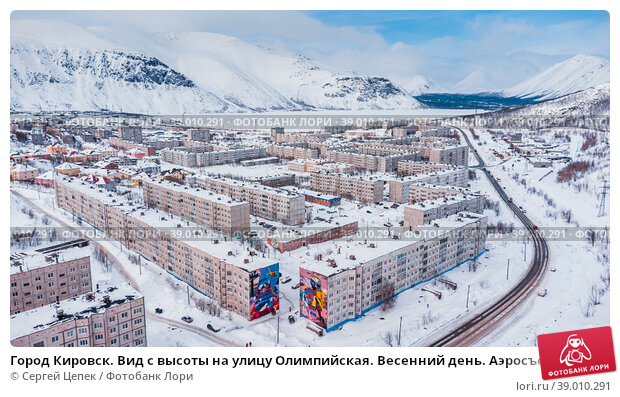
point(233, 170)
point(578, 289)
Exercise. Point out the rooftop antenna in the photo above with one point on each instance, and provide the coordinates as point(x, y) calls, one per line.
point(604, 192)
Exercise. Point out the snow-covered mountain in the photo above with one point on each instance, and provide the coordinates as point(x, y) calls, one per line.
point(62, 79)
point(588, 108)
point(591, 102)
point(56, 65)
point(474, 83)
point(575, 74)
point(419, 84)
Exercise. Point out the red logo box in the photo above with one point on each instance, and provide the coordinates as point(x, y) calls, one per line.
point(574, 353)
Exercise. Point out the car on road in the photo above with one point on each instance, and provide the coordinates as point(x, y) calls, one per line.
point(291, 319)
point(187, 319)
point(286, 280)
point(295, 286)
point(159, 310)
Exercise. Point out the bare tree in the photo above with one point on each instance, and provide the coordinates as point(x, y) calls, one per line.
point(388, 339)
point(201, 304)
point(387, 295)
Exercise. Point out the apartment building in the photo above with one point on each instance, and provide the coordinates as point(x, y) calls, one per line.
point(226, 271)
point(274, 180)
point(215, 211)
point(427, 211)
point(455, 155)
point(425, 191)
point(399, 186)
point(439, 150)
point(337, 168)
point(399, 132)
point(265, 202)
point(371, 162)
point(188, 156)
point(130, 133)
point(296, 137)
point(419, 167)
point(319, 232)
point(202, 156)
point(367, 189)
point(434, 132)
point(39, 279)
point(122, 144)
point(345, 284)
point(309, 165)
point(111, 317)
point(292, 152)
point(199, 135)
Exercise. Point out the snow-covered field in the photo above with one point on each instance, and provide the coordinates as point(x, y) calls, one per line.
point(578, 289)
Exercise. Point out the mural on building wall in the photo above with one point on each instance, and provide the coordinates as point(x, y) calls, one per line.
point(264, 291)
point(312, 297)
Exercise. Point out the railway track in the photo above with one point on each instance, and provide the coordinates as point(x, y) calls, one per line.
point(484, 322)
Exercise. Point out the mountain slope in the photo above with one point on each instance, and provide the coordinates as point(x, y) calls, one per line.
point(584, 109)
point(420, 85)
point(53, 65)
point(61, 79)
point(474, 83)
point(575, 74)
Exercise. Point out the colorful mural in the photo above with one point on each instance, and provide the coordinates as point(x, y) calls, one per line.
point(312, 297)
point(264, 291)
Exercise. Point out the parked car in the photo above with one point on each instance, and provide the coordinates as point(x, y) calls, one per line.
point(159, 310)
point(187, 319)
point(295, 286)
point(286, 280)
point(210, 328)
point(542, 292)
point(291, 319)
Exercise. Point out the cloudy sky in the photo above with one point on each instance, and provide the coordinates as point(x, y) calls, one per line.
point(444, 46)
